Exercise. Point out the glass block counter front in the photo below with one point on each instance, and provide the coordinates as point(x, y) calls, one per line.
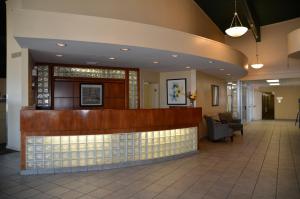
point(54, 153)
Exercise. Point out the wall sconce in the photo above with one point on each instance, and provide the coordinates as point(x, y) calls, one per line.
point(279, 99)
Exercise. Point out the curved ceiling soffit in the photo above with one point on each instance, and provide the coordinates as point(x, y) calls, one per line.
point(294, 44)
point(35, 24)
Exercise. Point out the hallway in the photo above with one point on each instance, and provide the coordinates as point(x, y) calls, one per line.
point(264, 163)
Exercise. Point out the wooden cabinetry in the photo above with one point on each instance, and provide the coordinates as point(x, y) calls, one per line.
point(120, 86)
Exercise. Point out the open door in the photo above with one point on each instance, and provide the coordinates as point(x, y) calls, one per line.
point(267, 106)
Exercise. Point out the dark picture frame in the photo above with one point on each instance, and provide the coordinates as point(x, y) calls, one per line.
point(176, 91)
point(91, 94)
point(215, 95)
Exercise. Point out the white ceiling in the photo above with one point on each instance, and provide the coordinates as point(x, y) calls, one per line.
point(76, 52)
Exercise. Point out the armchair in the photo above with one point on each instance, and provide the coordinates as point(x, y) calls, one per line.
point(217, 130)
point(235, 124)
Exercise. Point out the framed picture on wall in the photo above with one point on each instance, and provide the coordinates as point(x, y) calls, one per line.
point(215, 95)
point(91, 95)
point(176, 91)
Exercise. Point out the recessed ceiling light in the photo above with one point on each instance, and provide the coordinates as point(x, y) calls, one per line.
point(210, 62)
point(272, 80)
point(175, 55)
point(228, 74)
point(187, 67)
point(274, 84)
point(155, 62)
point(221, 69)
point(233, 84)
point(229, 83)
point(59, 55)
point(61, 44)
point(111, 58)
point(124, 49)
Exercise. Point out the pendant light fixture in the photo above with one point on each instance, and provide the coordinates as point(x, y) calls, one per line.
point(236, 28)
point(257, 65)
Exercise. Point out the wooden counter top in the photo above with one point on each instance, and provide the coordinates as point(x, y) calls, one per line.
point(84, 122)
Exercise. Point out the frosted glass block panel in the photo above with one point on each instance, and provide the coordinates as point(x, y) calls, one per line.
point(64, 147)
point(56, 156)
point(82, 139)
point(47, 140)
point(73, 151)
point(91, 162)
point(30, 148)
point(74, 139)
point(56, 164)
point(30, 156)
point(56, 148)
point(48, 156)
point(99, 138)
point(55, 140)
point(90, 138)
point(107, 138)
point(64, 140)
point(82, 162)
point(65, 156)
point(99, 146)
point(82, 147)
point(38, 140)
point(73, 147)
point(74, 163)
point(90, 154)
point(30, 140)
point(82, 155)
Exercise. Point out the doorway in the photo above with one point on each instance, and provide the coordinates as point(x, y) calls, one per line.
point(267, 106)
point(151, 95)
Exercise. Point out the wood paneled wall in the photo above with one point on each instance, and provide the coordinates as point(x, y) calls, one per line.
point(66, 93)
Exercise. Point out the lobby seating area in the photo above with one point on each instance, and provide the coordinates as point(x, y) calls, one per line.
point(264, 163)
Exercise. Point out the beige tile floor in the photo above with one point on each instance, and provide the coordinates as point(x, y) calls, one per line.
point(264, 163)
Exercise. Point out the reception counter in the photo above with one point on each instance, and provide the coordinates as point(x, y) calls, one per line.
point(55, 141)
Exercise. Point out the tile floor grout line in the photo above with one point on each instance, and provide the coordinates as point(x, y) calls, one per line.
point(294, 161)
point(263, 161)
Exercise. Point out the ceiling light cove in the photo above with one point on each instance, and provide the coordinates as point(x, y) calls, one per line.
point(61, 44)
point(272, 80)
point(274, 84)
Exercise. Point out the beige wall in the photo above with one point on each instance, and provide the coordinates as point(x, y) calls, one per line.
point(289, 107)
point(2, 86)
point(272, 50)
point(204, 97)
point(164, 76)
point(182, 15)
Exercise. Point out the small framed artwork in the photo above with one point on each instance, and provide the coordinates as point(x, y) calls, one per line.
point(91, 95)
point(176, 91)
point(215, 95)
